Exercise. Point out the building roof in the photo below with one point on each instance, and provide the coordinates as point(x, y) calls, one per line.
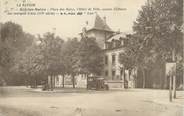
point(117, 37)
point(99, 24)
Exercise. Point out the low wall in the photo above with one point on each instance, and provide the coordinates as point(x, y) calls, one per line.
point(115, 83)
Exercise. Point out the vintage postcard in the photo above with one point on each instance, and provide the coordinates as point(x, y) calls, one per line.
point(91, 58)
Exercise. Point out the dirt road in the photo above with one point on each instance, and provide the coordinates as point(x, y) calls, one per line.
point(21, 101)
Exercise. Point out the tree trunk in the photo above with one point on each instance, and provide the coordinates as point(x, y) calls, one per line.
point(129, 73)
point(124, 76)
point(63, 81)
point(174, 75)
point(183, 74)
point(170, 88)
point(143, 78)
point(32, 82)
point(54, 82)
point(26, 83)
point(51, 83)
point(52, 87)
point(35, 84)
point(130, 79)
point(86, 75)
point(73, 81)
point(174, 86)
point(29, 80)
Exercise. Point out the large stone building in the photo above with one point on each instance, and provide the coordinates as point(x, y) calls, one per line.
point(115, 72)
point(112, 43)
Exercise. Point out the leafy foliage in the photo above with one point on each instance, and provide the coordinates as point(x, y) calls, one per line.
point(13, 41)
point(158, 27)
point(157, 33)
point(50, 49)
point(70, 56)
point(91, 56)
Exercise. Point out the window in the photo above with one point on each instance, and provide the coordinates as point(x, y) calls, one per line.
point(114, 43)
point(106, 59)
point(57, 78)
point(121, 74)
point(107, 45)
point(113, 74)
point(113, 59)
point(122, 42)
point(118, 43)
point(118, 77)
point(106, 73)
point(110, 45)
point(125, 42)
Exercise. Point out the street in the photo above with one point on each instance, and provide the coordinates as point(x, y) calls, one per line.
point(22, 101)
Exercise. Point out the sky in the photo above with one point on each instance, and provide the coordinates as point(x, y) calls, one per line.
point(71, 26)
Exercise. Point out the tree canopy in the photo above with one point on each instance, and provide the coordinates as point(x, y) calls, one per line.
point(13, 42)
point(91, 56)
point(157, 35)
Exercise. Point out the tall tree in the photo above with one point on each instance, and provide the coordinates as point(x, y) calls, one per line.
point(91, 57)
point(70, 58)
point(30, 64)
point(43, 58)
point(136, 56)
point(127, 58)
point(158, 28)
point(13, 41)
point(51, 48)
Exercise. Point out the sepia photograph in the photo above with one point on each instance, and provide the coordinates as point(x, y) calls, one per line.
point(92, 58)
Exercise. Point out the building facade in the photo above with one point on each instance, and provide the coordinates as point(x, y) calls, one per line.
point(113, 43)
point(115, 72)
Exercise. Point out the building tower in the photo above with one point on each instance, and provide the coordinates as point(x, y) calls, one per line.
point(99, 30)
